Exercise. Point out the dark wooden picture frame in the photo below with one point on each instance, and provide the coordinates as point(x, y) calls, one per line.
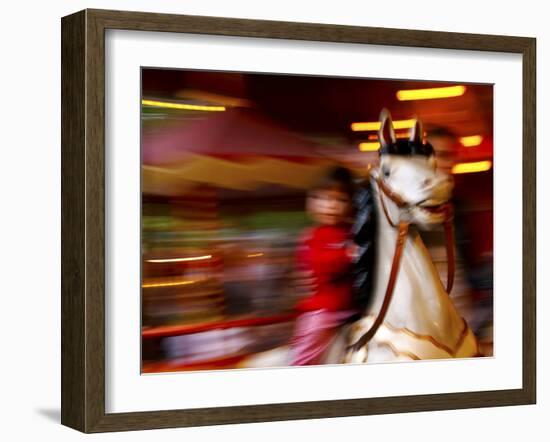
point(83, 220)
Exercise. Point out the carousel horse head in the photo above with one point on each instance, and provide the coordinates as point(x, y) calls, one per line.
point(407, 176)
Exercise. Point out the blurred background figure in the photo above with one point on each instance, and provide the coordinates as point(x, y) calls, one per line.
point(227, 159)
point(473, 206)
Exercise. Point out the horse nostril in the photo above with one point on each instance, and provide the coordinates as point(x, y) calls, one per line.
point(427, 182)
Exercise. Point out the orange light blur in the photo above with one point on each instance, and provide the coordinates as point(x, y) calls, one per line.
point(167, 284)
point(185, 106)
point(374, 137)
point(402, 135)
point(478, 166)
point(369, 146)
point(431, 93)
point(375, 125)
point(191, 258)
point(471, 141)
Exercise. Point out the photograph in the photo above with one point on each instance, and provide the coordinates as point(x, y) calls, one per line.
point(303, 220)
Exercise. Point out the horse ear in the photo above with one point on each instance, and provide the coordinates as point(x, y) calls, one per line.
point(386, 133)
point(417, 132)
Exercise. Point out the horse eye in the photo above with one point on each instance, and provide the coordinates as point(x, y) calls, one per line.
point(385, 172)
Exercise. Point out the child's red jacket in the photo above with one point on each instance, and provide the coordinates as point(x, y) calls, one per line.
point(323, 250)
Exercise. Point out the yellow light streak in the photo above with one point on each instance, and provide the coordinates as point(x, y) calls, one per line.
point(169, 105)
point(431, 93)
point(191, 258)
point(471, 141)
point(369, 146)
point(375, 125)
point(254, 255)
point(478, 166)
point(167, 284)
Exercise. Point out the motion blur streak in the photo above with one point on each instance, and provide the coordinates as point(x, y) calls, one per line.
point(185, 106)
point(431, 93)
point(471, 141)
point(478, 166)
point(191, 258)
point(369, 146)
point(375, 125)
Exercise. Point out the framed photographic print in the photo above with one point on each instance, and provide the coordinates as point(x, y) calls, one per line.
point(267, 220)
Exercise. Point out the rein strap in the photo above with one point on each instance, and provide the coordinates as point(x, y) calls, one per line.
point(450, 247)
point(403, 230)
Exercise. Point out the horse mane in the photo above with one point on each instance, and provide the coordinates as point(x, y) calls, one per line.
point(364, 234)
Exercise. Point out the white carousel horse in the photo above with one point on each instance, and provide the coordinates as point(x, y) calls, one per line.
point(421, 321)
point(416, 318)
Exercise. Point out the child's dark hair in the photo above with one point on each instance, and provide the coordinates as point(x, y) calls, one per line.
point(337, 178)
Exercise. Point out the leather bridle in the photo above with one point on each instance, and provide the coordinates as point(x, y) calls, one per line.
point(402, 233)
